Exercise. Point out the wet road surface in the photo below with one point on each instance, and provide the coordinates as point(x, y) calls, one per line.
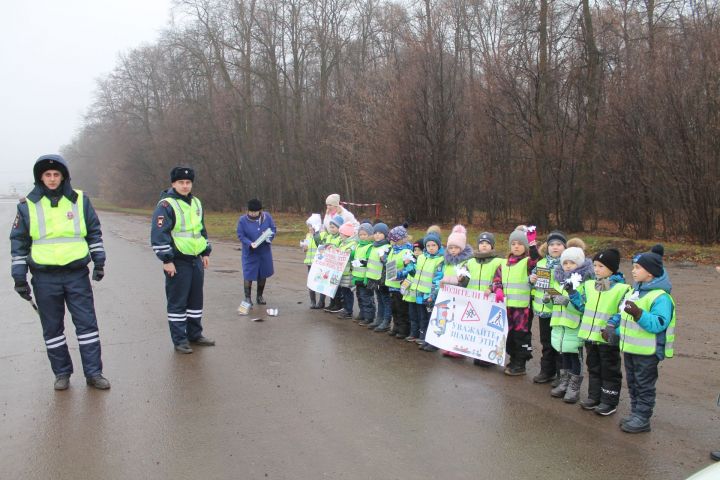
point(300, 396)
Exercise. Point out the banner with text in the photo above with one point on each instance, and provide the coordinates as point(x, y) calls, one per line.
point(464, 321)
point(326, 270)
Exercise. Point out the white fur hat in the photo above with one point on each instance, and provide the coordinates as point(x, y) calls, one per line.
point(574, 254)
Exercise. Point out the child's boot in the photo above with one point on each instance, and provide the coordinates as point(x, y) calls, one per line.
point(572, 394)
point(636, 424)
point(559, 390)
point(313, 300)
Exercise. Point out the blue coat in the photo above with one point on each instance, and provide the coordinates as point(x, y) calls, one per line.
point(257, 262)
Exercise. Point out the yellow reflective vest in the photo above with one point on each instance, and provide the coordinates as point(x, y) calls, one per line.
point(186, 232)
point(58, 234)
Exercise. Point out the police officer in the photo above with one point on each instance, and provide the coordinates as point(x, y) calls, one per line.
point(56, 233)
point(179, 239)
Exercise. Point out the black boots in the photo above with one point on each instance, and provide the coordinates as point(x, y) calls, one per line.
point(260, 290)
point(248, 292)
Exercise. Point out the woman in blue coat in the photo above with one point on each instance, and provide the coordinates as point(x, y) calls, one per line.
point(257, 263)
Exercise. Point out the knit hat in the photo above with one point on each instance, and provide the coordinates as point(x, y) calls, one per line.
point(610, 258)
point(458, 237)
point(182, 173)
point(432, 237)
point(574, 254)
point(487, 237)
point(381, 228)
point(333, 199)
point(397, 233)
point(557, 236)
point(50, 162)
point(366, 227)
point(519, 235)
point(419, 244)
point(347, 229)
point(652, 261)
point(337, 220)
point(254, 205)
point(434, 229)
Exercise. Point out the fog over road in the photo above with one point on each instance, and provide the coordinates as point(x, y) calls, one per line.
point(306, 395)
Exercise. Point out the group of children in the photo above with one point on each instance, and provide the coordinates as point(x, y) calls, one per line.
point(587, 306)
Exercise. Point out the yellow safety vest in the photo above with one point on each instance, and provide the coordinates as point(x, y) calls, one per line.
point(599, 307)
point(422, 280)
point(515, 284)
point(396, 257)
point(482, 274)
point(374, 265)
point(186, 232)
point(311, 249)
point(58, 234)
point(565, 315)
point(637, 340)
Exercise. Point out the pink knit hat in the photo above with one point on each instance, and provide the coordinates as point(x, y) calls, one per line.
point(347, 229)
point(458, 237)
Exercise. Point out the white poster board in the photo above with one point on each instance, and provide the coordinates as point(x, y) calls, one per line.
point(327, 270)
point(463, 321)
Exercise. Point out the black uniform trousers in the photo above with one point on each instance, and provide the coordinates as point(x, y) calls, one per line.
point(641, 372)
point(53, 290)
point(604, 372)
point(184, 293)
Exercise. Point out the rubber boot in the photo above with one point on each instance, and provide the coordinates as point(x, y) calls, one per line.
point(313, 300)
point(559, 391)
point(248, 291)
point(260, 290)
point(572, 394)
point(321, 303)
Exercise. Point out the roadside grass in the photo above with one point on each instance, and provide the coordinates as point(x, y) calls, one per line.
point(292, 229)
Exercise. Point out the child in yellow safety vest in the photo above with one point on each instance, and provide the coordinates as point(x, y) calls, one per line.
point(457, 254)
point(309, 246)
point(348, 244)
point(334, 239)
point(598, 300)
point(646, 329)
point(365, 296)
point(402, 250)
point(573, 271)
point(376, 277)
point(516, 287)
point(551, 250)
point(484, 273)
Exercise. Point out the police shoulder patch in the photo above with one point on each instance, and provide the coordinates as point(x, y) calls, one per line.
point(160, 220)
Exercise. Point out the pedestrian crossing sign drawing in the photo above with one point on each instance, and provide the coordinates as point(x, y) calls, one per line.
point(497, 318)
point(470, 314)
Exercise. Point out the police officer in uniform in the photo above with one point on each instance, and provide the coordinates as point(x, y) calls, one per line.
point(55, 234)
point(179, 239)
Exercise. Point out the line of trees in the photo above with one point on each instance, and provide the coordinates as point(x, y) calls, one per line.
point(562, 113)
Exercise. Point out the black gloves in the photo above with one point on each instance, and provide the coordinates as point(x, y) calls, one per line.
point(23, 289)
point(98, 273)
point(569, 287)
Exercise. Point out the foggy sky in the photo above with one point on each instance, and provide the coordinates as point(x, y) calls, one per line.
point(51, 54)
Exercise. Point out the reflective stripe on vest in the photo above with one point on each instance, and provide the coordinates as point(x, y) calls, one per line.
point(186, 232)
point(537, 294)
point(482, 274)
point(422, 281)
point(515, 284)
point(599, 308)
point(374, 265)
point(58, 234)
point(637, 340)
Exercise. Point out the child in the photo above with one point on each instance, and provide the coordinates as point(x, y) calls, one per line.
point(376, 277)
point(516, 287)
point(365, 296)
point(401, 250)
point(574, 269)
point(333, 238)
point(646, 325)
point(348, 244)
point(421, 293)
point(485, 274)
point(309, 246)
point(457, 254)
point(406, 276)
point(598, 300)
point(554, 246)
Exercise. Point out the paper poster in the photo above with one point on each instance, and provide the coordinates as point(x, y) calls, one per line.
point(391, 271)
point(262, 238)
point(463, 321)
point(327, 270)
point(543, 278)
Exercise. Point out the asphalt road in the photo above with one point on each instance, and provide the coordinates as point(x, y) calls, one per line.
point(300, 396)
